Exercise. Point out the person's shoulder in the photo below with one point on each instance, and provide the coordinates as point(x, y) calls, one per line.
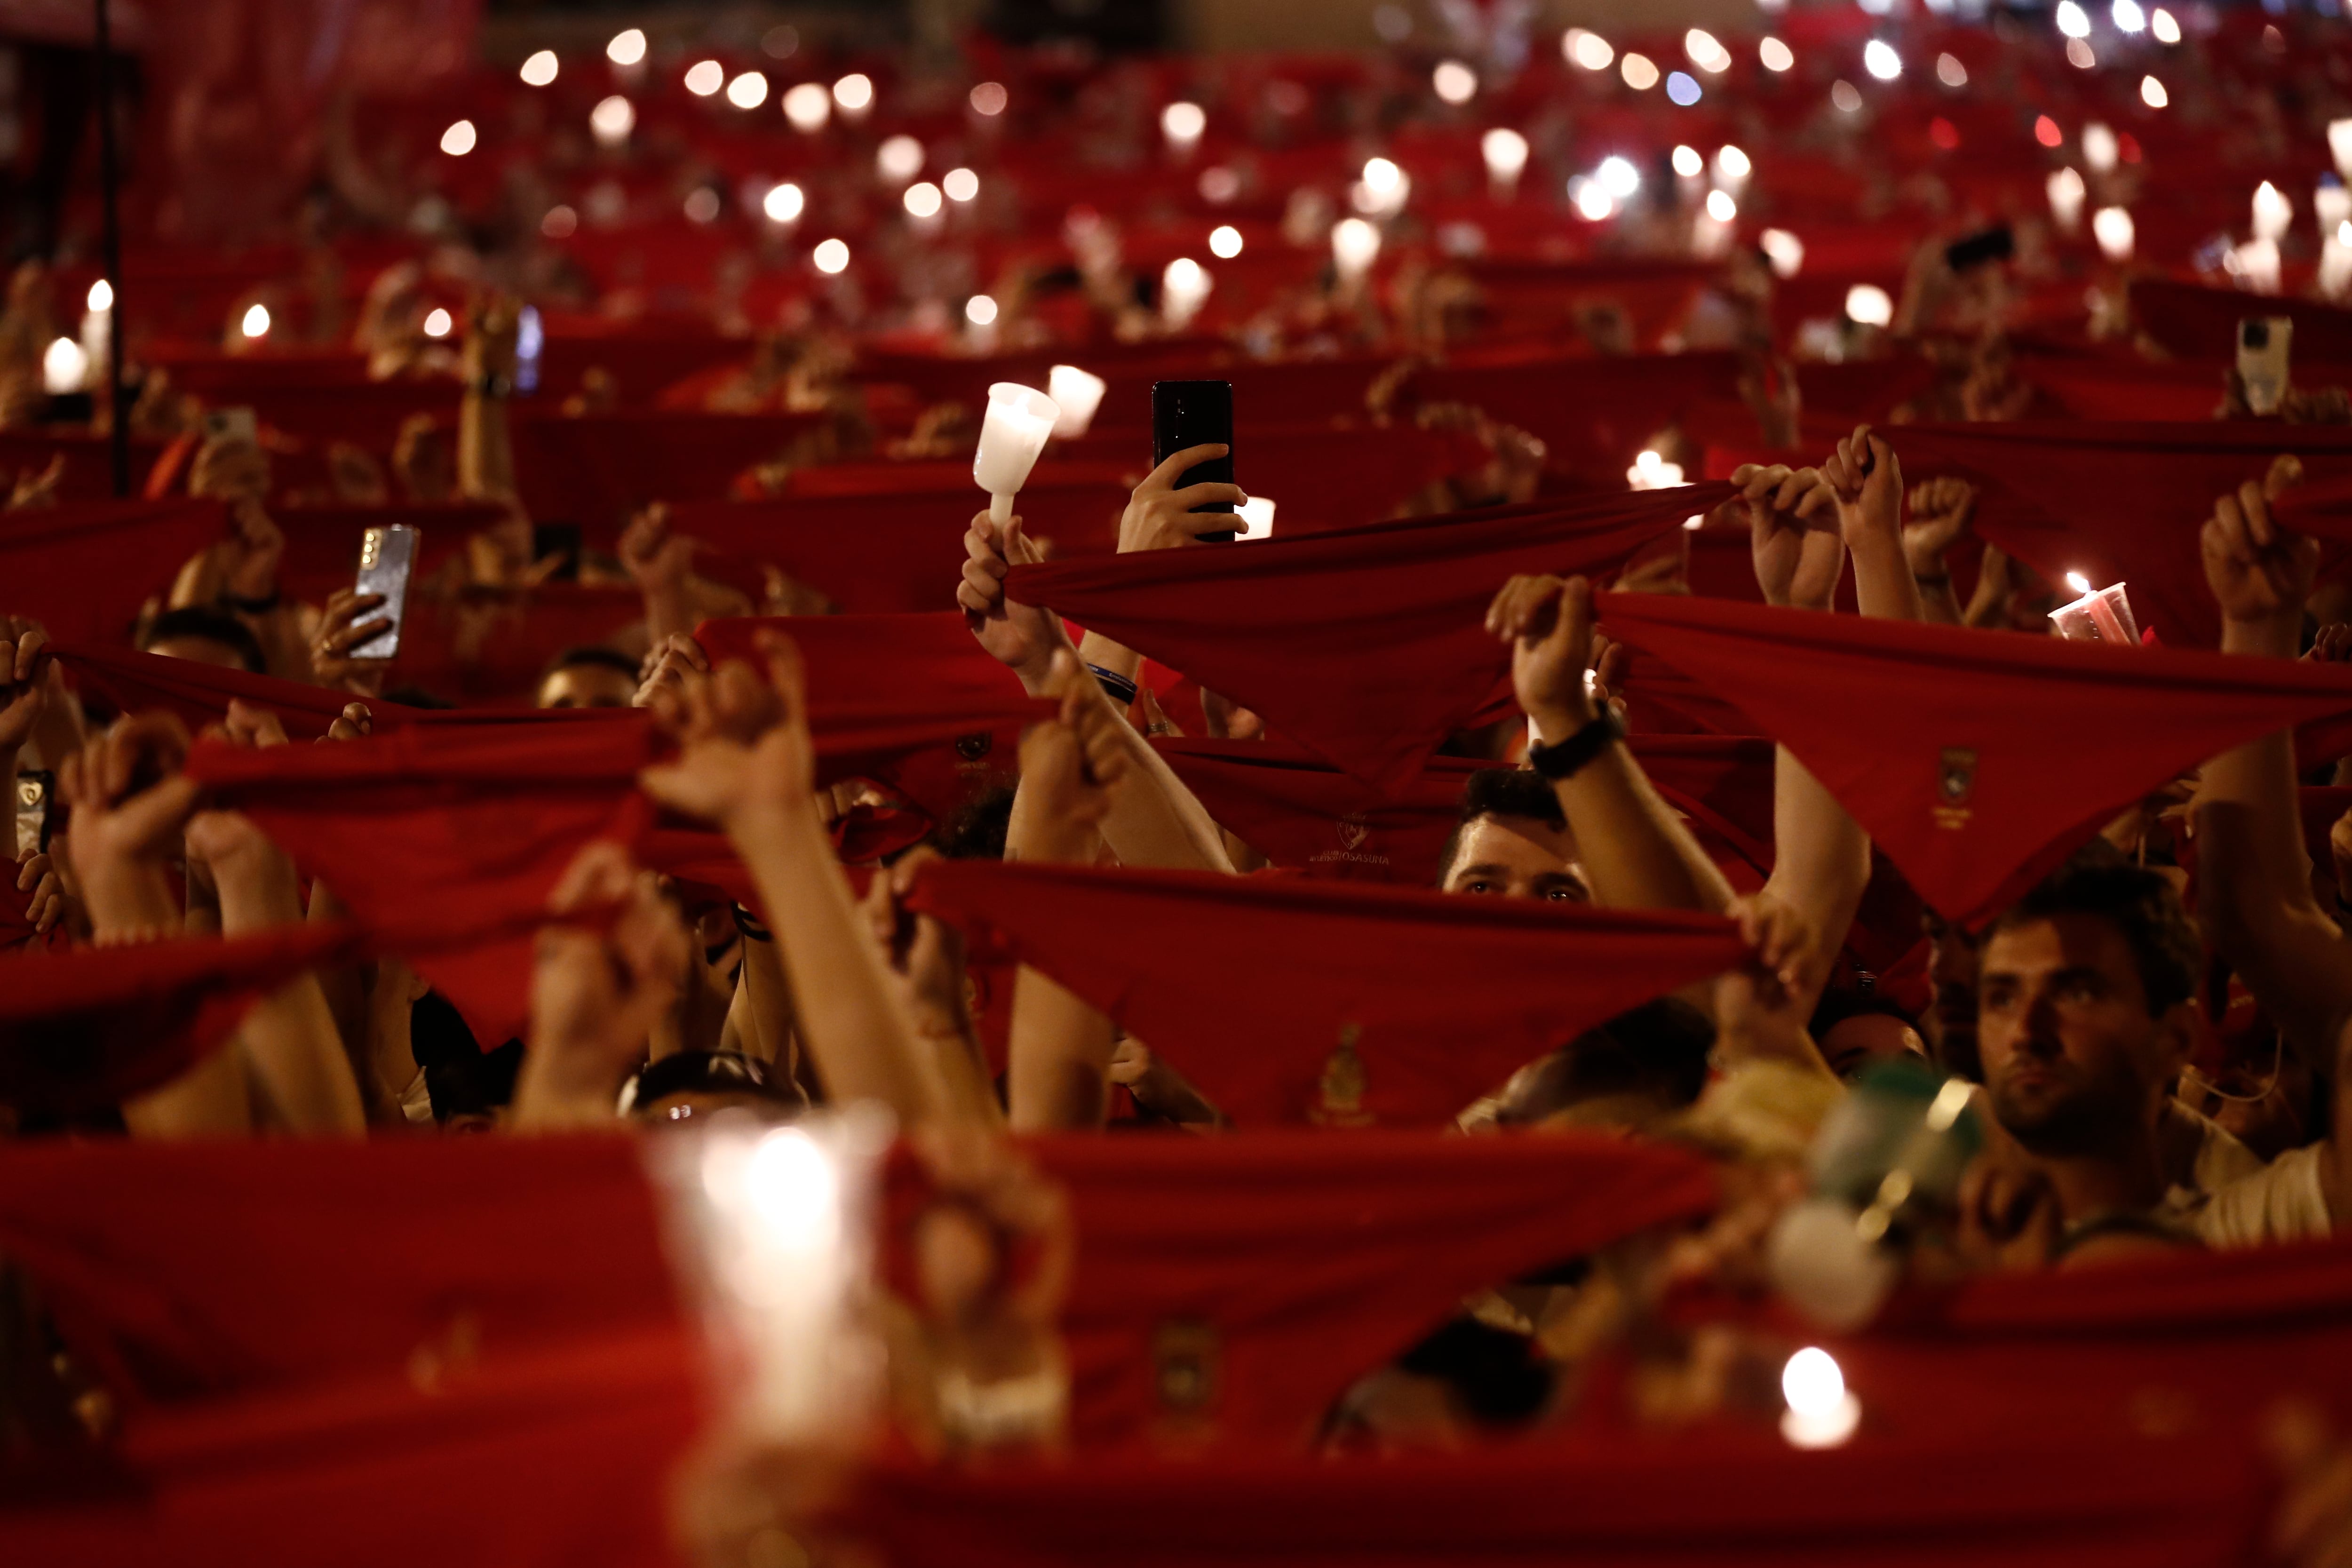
point(2284, 1201)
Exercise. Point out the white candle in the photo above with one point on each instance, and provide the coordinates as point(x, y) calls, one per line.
point(1013, 433)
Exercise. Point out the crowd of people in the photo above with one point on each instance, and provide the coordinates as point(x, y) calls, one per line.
point(1777, 775)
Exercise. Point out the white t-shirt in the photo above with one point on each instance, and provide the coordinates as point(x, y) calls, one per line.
point(2284, 1201)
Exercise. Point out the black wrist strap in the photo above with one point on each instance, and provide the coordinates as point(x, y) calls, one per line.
point(1563, 760)
point(1121, 690)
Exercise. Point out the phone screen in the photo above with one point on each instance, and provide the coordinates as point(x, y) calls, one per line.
point(1194, 414)
point(387, 556)
point(530, 340)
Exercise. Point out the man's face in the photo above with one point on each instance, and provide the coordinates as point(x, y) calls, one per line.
point(1868, 1039)
point(1517, 858)
point(587, 686)
point(199, 650)
point(2072, 1061)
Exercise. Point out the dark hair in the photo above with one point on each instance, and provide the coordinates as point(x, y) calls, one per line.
point(212, 625)
point(706, 1072)
point(2096, 879)
point(1502, 792)
point(1839, 1005)
point(1659, 1048)
point(460, 1077)
point(599, 657)
point(977, 832)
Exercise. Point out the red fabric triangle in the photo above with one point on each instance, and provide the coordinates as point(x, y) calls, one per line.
point(87, 1028)
point(1975, 761)
point(2120, 502)
point(1302, 962)
point(84, 569)
point(1367, 646)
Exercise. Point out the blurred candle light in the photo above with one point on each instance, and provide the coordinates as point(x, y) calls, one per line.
point(540, 70)
point(2080, 55)
point(256, 323)
point(1776, 56)
point(1821, 1414)
point(1868, 305)
point(899, 159)
point(1591, 198)
point(1454, 82)
point(1012, 433)
point(1689, 164)
point(923, 200)
point(808, 107)
point(1586, 48)
point(1224, 242)
point(1639, 73)
point(784, 203)
point(1845, 95)
point(2152, 93)
point(2331, 204)
point(1617, 176)
point(2112, 228)
point(1355, 246)
point(560, 222)
point(1505, 152)
point(2046, 132)
point(1950, 71)
point(1182, 125)
point(2163, 25)
point(748, 90)
point(100, 298)
point(980, 310)
point(1184, 284)
point(959, 184)
point(831, 257)
point(627, 47)
point(2257, 264)
point(65, 365)
point(1732, 167)
point(854, 95)
point(1784, 250)
point(1652, 472)
point(989, 99)
point(2073, 20)
point(1721, 208)
point(2100, 147)
point(2273, 212)
point(1076, 393)
point(612, 120)
point(2066, 195)
point(458, 140)
point(1705, 51)
point(2335, 261)
point(437, 323)
point(705, 78)
point(2128, 16)
point(1879, 58)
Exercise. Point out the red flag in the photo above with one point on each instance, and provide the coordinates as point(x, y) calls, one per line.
point(1292, 1001)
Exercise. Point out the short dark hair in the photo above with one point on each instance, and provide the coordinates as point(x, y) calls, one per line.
point(1841, 1004)
point(591, 653)
point(211, 626)
point(1501, 792)
point(2096, 879)
point(706, 1072)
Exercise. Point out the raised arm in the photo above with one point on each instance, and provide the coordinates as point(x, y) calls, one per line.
point(2253, 876)
point(1941, 510)
point(1156, 822)
point(746, 763)
point(1636, 852)
point(1866, 479)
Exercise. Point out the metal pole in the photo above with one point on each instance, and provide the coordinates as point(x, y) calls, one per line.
point(107, 179)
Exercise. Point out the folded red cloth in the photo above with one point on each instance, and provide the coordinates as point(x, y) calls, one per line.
point(84, 570)
point(1270, 1269)
point(2121, 503)
point(200, 694)
point(1975, 761)
point(1335, 1019)
point(1368, 644)
point(87, 1028)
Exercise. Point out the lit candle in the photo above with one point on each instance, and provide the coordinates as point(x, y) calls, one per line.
point(1505, 151)
point(2066, 192)
point(1013, 433)
point(1077, 393)
point(1183, 285)
point(1355, 244)
point(2113, 229)
point(2273, 212)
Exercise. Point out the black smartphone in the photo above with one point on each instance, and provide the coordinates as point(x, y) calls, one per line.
point(1194, 414)
point(387, 556)
point(1976, 249)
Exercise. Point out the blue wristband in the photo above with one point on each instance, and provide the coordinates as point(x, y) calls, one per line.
point(1121, 690)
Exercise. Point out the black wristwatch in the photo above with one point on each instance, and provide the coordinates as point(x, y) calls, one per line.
point(1563, 760)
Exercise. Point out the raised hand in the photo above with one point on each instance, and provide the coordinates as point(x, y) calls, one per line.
point(1548, 624)
point(1160, 516)
point(657, 560)
point(38, 877)
point(2260, 573)
point(672, 661)
point(743, 743)
point(129, 803)
point(354, 723)
point(25, 689)
point(605, 973)
point(1020, 637)
point(1941, 510)
point(227, 844)
point(1798, 552)
point(1866, 479)
point(1071, 763)
point(349, 621)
